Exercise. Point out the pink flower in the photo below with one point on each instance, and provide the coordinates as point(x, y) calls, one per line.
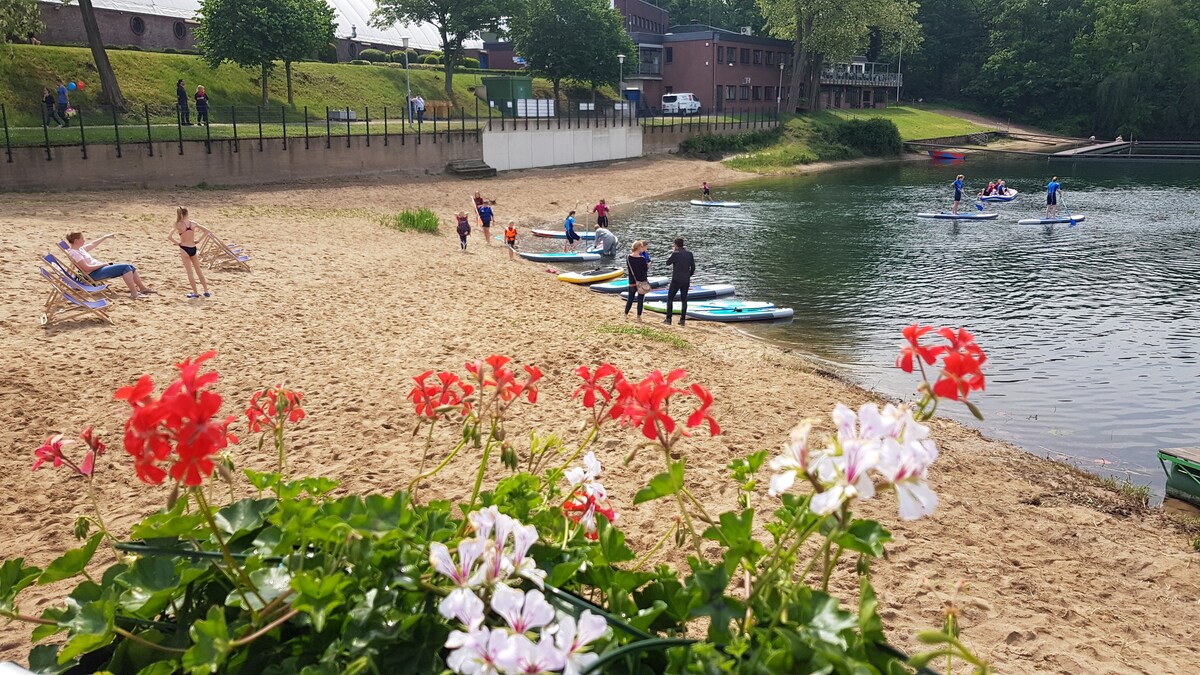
point(51, 451)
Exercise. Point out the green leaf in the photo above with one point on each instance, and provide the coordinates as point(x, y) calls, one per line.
point(15, 576)
point(935, 637)
point(923, 659)
point(243, 515)
point(43, 660)
point(160, 668)
point(147, 577)
point(210, 643)
point(135, 656)
point(91, 628)
point(72, 562)
point(869, 623)
point(262, 481)
point(662, 485)
point(865, 536)
point(645, 617)
point(169, 524)
point(735, 532)
point(317, 596)
point(271, 583)
point(563, 572)
point(612, 548)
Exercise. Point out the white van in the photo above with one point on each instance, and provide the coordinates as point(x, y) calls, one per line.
point(680, 104)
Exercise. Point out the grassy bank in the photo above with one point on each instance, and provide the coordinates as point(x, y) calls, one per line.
point(914, 124)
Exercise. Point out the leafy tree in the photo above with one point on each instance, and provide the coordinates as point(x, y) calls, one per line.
point(19, 18)
point(538, 28)
point(256, 33)
point(832, 30)
point(456, 21)
point(110, 91)
point(729, 14)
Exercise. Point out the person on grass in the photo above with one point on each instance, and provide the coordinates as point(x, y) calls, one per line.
point(80, 254)
point(683, 266)
point(569, 230)
point(485, 221)
point(463, 229)
point(52, 115)
point(639, 272)
point(1053, 189)
point(181, 103)
point(62, 103)
point(183, 235)
point(510, 238)
point(201, 105)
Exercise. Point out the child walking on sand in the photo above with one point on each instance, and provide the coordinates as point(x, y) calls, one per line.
point(485, 221)
point(185, 229)
point(464, 230)
point(510, 238)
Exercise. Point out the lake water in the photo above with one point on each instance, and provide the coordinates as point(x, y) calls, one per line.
point(1093, 332)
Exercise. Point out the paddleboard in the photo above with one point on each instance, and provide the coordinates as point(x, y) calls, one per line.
point(960, 216)
point(701, 202)
point(560, 234)
point(1051, 221)
point(738, 314)
point(592, 276)
point(697, 292)
point(710, 305)
point(946, 154)
point(1012, 194)
point(623, 285)
point(559, 257)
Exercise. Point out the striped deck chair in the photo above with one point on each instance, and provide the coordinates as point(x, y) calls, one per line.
point(79, 275)
point(83, 288)
point(216, 254)
point(64, 305)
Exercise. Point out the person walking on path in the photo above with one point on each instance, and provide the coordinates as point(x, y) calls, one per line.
point(601, 211)
point(51, 115)
point(201, 105)
point(1053, 188)
point(181, 103)
point(510, 238)
point(485, 221)
point(419, 105)
point(183, 235)
point(464, 230)
point(958, 190)
point(62, 103)
point(639, 278)
point(683, 266)
point(569, 229)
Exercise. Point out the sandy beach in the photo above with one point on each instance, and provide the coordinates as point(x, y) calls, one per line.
point(1063, 576)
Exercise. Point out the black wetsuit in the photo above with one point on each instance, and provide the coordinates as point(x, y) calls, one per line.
point(683, 266)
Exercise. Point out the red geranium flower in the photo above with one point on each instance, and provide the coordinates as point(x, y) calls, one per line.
point(913, 335)
point(960, 375)
point(273, 407)
point(95, 449)
point(646, 403)
point(51, 451)
point(591, 387)
point(430, 397)
point(701, 415)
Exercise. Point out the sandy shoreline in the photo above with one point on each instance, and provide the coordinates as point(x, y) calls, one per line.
point(1064, 576)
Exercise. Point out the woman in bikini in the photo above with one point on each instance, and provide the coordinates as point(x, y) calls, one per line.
point(186, 229)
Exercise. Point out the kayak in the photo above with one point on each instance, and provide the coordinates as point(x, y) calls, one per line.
point(559, 257)
point(623, 285)
point(697, 292)
point(1051, 221)
point(946, 154)
point(592, 276)
point(561, 234)
point(701, 202)
point(740, 314)
point(960, 216)
point(1012, 194)
point(710, 305)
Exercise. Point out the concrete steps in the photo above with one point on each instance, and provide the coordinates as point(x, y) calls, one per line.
point(470, 168)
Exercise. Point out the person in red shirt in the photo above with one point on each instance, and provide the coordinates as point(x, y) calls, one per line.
point(601, 211)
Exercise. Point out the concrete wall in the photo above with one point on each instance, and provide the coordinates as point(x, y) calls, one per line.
point(67, 170)
point(521, 149)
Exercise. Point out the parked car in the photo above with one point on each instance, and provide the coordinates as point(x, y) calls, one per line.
point(680, 104)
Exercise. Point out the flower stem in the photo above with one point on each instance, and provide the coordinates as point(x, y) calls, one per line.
point(578, 451)
point(642, 561)
point(412, 489)
point(265, 629)
point(439, 467)
point(236, 568)
point(143, 641)
point(487, 452)
point(687, 520)
point(829, 565)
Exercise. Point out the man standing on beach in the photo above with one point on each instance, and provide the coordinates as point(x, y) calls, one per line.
point(683, 266)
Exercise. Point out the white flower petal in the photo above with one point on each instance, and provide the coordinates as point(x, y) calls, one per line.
point(916, 499)
point(464, 605)
point(781, 482)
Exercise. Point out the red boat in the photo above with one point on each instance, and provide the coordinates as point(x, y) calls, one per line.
point(946, 154)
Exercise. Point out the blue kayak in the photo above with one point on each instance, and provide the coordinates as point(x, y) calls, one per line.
point(959, 216)
point(697, 292)
point(623, 285)
point(559, 257)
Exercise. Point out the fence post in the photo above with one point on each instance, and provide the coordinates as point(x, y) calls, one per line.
point(462, 113)
point(149, 138)
point(367, 114)
point(435, 126)
point(347, 126)
point(237, 145)
point(283, 116)
point(207, 137)
point(8, 143)
point(404, 130)
point(328, 136)
point(46, 133)
point(179, 127)
point(305, 127)
point(258, 111)
point(385, 128)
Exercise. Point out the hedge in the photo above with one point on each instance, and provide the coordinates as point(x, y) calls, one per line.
point(872, 137)
point(374, 56)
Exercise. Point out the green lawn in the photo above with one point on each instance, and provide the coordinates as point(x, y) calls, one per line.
point(915, 124)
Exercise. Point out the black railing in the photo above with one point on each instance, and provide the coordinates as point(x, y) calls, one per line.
point(852, 78)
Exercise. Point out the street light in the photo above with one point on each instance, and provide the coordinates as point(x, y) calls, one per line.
point(407, 84)
point(779, 91)
point(621, 83)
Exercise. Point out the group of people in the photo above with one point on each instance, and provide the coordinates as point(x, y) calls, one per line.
point(485, 214)
point(56, 105)
point(1053, 193)
point(181, 104)
point(182, 235)
point(637, 268)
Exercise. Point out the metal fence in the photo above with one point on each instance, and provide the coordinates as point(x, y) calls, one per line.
point(248, 128)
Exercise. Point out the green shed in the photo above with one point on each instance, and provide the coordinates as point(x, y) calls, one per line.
point(504, 92)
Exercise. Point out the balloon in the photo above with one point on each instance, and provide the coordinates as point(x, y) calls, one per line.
point(71, 86)
point(79, 85)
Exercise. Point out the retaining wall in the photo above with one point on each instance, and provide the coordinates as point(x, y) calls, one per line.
point(521, 149)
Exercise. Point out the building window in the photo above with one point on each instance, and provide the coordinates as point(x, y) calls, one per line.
point(180, 30)
point(758, 57)
point(757, 93)
point(745, 55)
point(670, 54)
point(767, 93)
point(720, 55)
point(730, 92)
point(770, 58)
point(353, 50)
point(137, 25)
point(745, 93)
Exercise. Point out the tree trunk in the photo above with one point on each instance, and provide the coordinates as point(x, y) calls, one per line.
point(110, 91)
point(800, 65)
point(287, 68)
point(448, 68)
point(266, 68)
point(815, 63)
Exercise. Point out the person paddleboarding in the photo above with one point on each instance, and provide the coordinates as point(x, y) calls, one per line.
point(706, 191)
point(958, 190)
point(1053, 188)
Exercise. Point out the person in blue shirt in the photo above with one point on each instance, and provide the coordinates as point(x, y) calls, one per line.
point(958, 190)
point(1053, 188)
point(569, 228)
point(63, 103)
point(485, 221)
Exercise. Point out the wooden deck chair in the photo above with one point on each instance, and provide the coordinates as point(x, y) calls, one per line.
point(101, 290)
point(216, 254)
point(63, 305)
point(79, 275)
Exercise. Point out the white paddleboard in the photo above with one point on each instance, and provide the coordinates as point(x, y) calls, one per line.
point(960, 216)
point(701, 202)
point(1051, 221)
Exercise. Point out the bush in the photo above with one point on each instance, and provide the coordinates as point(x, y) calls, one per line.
point(373, 55)
point(873, 137)
point(398, 56)
point(713, 147)
point(421, 220)
point(132, 48)
point(431, 59)
point(469, 62)
point(328, 53)
point(360, 62)
point(170, 50)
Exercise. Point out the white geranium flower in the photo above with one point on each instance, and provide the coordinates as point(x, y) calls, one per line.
point(476, 652)
point(469, 551)
point(523, 537)
point(792, 461)
point(523, 611)
point(523, 657)
point(573, 638)
point(464, 605)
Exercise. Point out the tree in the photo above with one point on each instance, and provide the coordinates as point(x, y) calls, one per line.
point(456, 21)
point(311, 27)
point(256, 33)
point(110, 91)
point(19, 18)
point(537, 28)
point(835, 30)
point(729, 14)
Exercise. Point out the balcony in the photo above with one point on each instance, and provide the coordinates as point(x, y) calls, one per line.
point(854, 78)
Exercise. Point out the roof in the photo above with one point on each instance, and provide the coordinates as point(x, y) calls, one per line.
point(346, 14)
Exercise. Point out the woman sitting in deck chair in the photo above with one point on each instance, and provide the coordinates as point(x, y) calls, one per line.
point(81, 256)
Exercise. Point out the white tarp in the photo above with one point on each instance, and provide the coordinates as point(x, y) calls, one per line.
point(346, 14)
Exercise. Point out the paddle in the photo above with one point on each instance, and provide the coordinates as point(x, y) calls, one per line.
point(1069, 216)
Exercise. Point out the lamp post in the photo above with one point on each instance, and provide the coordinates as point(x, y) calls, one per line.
point(407, 84)
point(779, 91)
point(621, 83)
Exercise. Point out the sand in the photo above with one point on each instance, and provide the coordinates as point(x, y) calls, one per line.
point(1063, 576)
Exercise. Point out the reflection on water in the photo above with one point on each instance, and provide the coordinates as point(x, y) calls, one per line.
point(1093, 331)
